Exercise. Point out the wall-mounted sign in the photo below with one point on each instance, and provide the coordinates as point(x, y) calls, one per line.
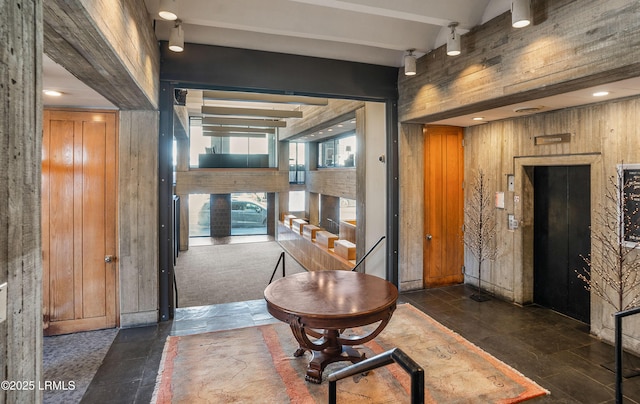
point(500, 200)
point(631, 202)
point(552, 139)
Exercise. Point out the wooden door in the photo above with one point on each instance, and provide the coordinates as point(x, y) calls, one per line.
point(79, 165)
point(444, 206)
point(562, 213)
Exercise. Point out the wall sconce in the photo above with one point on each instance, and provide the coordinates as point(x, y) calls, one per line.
point(168, 9)
point(410, 64)
point(520, 13)
point(176, 40)
point(453, 41)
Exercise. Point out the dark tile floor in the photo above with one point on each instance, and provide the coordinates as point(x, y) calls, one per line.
point(551, 349)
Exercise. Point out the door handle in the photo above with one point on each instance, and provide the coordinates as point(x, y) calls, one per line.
point(109, 258)
point(428, 237)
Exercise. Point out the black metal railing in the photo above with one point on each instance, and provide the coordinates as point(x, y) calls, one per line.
point(618, 346)
point(368, 252)
point(281, 259)
point(386, 358)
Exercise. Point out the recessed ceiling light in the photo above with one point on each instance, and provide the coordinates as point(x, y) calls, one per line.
point(600, 93)
point(329, 130)
point(52, 93)
point(478, 118)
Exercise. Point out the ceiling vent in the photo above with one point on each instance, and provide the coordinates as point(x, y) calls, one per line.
point(527, 109)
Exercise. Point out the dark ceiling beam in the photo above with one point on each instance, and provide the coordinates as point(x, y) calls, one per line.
point(278, 73)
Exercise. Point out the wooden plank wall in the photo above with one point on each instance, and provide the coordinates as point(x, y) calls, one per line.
point(570, 45)
point(110, 47)
point(223, 181)
point(138, 217)
point(411, 211)
point(20, 178)
point(339, 182)
point(602, 135)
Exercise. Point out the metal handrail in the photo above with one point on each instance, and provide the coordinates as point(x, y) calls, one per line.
point(618, 347)
point(386, 358)
point(368, 252)
point(276, 268)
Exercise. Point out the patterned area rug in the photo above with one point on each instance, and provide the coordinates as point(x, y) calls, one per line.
point(74, 358)
point(256, 364)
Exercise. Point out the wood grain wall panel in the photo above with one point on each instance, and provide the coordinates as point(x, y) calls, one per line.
point(112, 49)
point(411, 210)
point(500, 65)
point(138, 217)
point(333, 181)
point(20, 179)
point(214, 181)
point(602, 135)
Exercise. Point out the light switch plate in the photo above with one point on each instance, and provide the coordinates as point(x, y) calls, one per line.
point(3, 302)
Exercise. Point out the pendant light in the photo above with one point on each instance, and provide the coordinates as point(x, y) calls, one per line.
point(520, 13)
point(410, 64)
point(176, 40)
point(168, 10)
point(453, 41)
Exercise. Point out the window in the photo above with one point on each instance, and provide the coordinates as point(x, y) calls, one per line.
point(297, 164)
point(230, 150)
point(199, 215)
point(297, 200)
point(248, 213)
point(337, 152)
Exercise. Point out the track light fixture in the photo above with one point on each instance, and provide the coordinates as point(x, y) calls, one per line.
point(520, 13)
point(168, 10)
point(410, 63)
point(453, 41)
point(176, 40)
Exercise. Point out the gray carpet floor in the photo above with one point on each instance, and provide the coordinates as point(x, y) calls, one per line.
point(216, 274)
point(73, 358)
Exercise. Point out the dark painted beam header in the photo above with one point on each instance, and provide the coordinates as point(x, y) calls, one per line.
point(244, 69)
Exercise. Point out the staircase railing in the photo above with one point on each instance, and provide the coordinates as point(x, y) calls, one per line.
point(386, 358)
point(281, 259)
point(368, 252)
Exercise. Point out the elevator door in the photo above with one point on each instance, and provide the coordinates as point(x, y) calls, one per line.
point(562, 211)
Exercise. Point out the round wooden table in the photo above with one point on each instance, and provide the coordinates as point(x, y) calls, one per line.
point(322, 304)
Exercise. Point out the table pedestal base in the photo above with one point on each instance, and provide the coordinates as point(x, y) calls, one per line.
point(321, 359)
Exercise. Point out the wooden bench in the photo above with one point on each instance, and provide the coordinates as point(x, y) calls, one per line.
point(309, 231)
point(345, 249)
point(297, 225)
point(325, 239)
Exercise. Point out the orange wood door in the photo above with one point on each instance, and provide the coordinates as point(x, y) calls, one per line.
point(79, 165)
point(444, 206)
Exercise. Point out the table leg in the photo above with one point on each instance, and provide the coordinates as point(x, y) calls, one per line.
point(333, 353)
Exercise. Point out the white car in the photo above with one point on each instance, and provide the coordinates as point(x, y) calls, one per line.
point(243, 214)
